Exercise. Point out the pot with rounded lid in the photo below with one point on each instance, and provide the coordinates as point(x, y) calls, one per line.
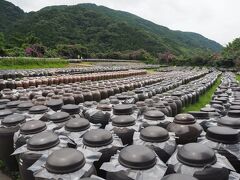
point(38, 142)
point(96, 94)
point(55, 104)
point(121, 126)
point(173, 106)
point(87, 95)
point(158, 139)
point(72, 109)
point(24, 107)
point(59, 118)
point(10, 125)
point(200, 161)
point(66, 162)
point(222, 138)
point(68, 98)
point(135, 158)
point(101, 140)
point(28, 129)
point(155, 118)
point(123, 109)
point(178, 102)
point(186, 128)
point(231, 119)
point(78, 97)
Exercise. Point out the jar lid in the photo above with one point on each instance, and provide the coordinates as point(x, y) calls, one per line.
point(64, 161)
point(2, 106)
point(137, 157)
point(59, 117)
point(55, 104)
point(184, 119)
point(154, 134)
point(196, 155)
point(123, 97)
point(39, 109)
point(77, 125)
point(33, 127)
point(5, 112)
point(71, 109)
point(234, 113)
point(223, 99)
point(216, 102)
point(114, 101)
point(178, 177)
point(13, 104)
point(13, 120)
point(123, 121)
point(123, 109)
point(229, 122)
point(199, 114)
point(42, 141)
point(235, 103)
point(97, 138)
point(4, 101)
point(218, 107)
point(154, 115)
point(25, 106)
point(224, 135)
point(234, 107)
point(104, 107)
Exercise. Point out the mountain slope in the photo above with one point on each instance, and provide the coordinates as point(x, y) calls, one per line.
point(101, 29)
point(9, 14)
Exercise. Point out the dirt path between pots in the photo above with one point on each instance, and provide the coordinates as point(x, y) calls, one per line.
point(4, 177)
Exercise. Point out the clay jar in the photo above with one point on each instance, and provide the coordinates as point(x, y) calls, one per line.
point(122, 128)
point(96, 95)
point(226, 136)
point(11, 125)
point(68, 98)
point(186, 128)
point(231, 119)
point(78, 97)
point(87, 95)
point(155, 134)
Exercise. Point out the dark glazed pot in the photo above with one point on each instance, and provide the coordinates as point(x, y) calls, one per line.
point(134, 157)
point(121, 124)
point(186, 128)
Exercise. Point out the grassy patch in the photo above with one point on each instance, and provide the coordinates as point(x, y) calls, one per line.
point(150, 71)
point(204, 99)
point(238, 77)
point(31, 63)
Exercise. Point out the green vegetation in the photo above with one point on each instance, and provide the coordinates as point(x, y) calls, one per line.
point(238, 77)
point(96, 32)
point(29, 63)
point(204, 99)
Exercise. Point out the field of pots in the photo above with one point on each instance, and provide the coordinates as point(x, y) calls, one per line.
point(119, 123)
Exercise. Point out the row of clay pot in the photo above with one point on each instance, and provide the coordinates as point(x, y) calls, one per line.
point(44, 114)
point(66, 79)
point(13, 74)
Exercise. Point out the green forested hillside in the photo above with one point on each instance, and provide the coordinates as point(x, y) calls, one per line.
point(97, 28)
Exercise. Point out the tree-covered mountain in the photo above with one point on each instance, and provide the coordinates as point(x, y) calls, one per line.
point(97, 28)
point(9, 14)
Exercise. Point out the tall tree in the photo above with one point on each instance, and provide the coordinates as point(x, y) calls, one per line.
point(1, 44)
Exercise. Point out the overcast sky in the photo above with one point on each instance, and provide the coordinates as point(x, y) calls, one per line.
point(215, 19)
